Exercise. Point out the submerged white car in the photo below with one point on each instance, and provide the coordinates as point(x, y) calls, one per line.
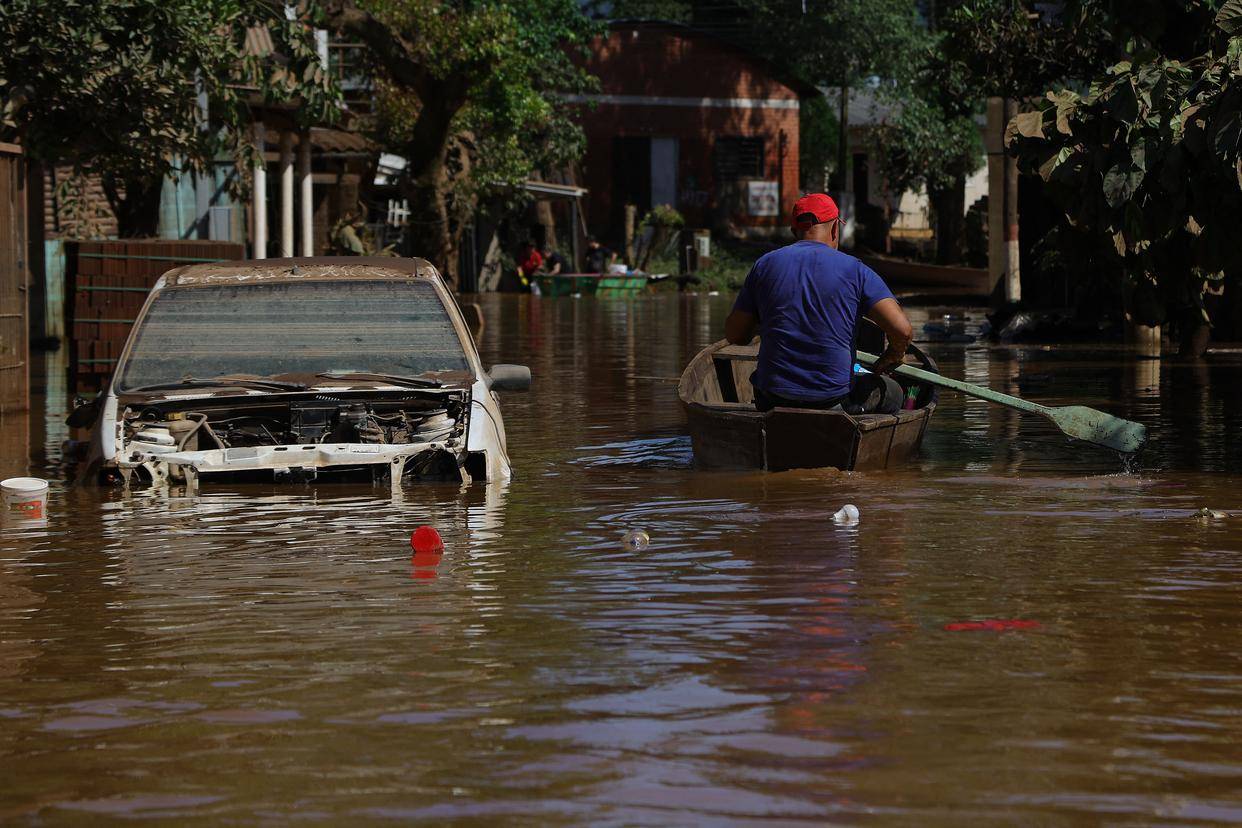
point(299, 369)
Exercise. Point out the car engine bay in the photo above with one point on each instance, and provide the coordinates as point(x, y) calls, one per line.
point(379, 434)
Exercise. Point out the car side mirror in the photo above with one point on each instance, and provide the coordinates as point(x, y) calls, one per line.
point(509, 378)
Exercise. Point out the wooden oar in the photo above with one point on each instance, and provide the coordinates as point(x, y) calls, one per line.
point(1077, 421)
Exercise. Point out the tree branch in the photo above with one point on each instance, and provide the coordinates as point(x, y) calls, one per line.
point(389, 49)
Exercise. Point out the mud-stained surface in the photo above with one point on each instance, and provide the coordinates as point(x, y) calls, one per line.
point(1019, 630)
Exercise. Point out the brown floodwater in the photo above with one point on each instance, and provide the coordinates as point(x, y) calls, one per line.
point(270, 654)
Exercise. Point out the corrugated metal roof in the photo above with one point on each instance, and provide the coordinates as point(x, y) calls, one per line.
point(258, 42)
point(338, 140)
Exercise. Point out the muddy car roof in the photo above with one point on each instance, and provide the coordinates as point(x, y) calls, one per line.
point(317, 268)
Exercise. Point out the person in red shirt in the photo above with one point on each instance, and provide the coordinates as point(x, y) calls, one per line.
point(528, 263)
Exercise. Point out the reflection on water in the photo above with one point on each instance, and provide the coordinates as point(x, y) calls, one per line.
point(260, 654)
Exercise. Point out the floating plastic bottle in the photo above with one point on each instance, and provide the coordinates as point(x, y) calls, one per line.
point(847, 516)
point(636, 539)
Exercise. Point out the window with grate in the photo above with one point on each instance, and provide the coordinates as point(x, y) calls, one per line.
point(738, 156)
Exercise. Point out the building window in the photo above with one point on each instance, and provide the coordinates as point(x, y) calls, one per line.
point(738, 156)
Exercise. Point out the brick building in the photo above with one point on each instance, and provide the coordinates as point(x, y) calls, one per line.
point(685, 118)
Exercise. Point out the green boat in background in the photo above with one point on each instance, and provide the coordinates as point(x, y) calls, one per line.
point(585, 284)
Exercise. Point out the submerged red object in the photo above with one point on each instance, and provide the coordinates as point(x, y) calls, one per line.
point(425, 540)
point(428, 549)
point(993, 625)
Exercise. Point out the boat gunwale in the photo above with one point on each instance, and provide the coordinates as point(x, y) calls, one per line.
point(866, 422)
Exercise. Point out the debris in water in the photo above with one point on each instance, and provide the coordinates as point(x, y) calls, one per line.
point(425, 540)
point(1210, 514)
point(25, 498)
point(428, 549)
point(993, 625)
point(847, 516)
point(636, 539)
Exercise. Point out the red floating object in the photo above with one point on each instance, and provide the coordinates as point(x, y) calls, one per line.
point(993, 625)
point(426, 541)
point(428, 549)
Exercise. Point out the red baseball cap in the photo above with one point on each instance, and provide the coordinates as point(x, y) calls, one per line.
point(818, 205)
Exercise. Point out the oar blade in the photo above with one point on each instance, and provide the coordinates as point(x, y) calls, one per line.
point(1084, 423)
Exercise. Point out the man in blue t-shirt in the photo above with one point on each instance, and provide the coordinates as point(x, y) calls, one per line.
point(806, 300)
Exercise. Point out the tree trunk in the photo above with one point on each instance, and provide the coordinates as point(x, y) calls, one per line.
point(435, 225)
point(631, 224)
point(137, 206)
point(431, 234)
point(547, 221)
point(949, 207)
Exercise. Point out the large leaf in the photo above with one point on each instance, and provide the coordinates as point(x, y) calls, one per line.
point(1120, 183)
point(1121, 103)
point(1030, 124)
point(1054, 160)
point(1229, 18)
point(1228, 134)
point(1065, 111)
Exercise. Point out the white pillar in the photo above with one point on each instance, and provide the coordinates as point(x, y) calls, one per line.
point(259, 207)
point(286, 194)
point(306, 196)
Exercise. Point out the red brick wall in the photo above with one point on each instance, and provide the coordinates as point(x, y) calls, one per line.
point(673, 62)
point(654, 60)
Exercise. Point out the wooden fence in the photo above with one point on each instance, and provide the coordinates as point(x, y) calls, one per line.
point(107, 283)
point(14, 346)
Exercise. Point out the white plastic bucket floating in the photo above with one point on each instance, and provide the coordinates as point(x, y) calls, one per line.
point(25, 497)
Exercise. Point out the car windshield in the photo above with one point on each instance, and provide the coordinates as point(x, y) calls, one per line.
point(380, 327)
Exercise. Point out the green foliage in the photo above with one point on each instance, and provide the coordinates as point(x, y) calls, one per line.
point(1149, 161)
point(999, 48)
point(519, 66)
point(818, 134)
point(726, 271)
point(665, 216)
point(833, 42)
point(112, 87)
point(680, 11)
point(925, 146)
point(474, 99)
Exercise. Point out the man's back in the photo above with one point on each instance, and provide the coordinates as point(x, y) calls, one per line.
point(808, 298)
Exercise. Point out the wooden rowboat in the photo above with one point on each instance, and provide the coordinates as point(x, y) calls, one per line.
point(727, 431)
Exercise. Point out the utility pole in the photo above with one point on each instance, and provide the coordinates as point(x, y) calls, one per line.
point(1013, 280)
point(1003, 254)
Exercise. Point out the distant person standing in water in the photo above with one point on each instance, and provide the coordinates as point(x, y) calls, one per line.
point(806, 300)
point(598, 257)
point(528, 263)
point(554, 263)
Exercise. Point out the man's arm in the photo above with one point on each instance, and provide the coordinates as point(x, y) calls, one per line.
point(740, 327)
point(892, 320)
point(743, 321)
